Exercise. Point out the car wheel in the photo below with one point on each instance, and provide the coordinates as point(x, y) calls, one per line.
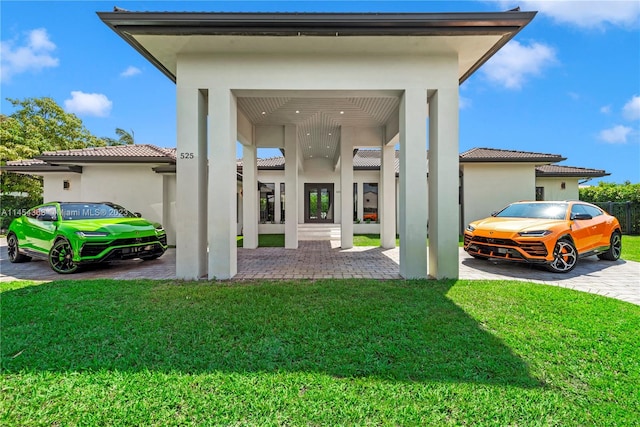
point(615, 248)
point(61, 258)
point(565, 257)
point(13, 251)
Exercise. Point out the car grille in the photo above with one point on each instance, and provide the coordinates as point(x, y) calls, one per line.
point(496, 247)
point(94, 249)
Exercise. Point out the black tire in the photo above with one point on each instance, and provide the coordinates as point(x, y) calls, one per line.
point(565, 257)
point(61, 258)
point(615, 248)
point(13, 250)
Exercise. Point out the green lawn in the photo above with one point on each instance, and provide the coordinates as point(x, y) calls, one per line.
point(334, 352)
point(631, 248)
point(266, 240)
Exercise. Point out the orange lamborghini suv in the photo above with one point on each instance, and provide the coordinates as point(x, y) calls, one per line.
point(555, 234)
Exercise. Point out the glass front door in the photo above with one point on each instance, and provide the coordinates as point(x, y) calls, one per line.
point(318, 203)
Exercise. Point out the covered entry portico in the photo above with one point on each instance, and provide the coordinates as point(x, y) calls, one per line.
point(317, 86)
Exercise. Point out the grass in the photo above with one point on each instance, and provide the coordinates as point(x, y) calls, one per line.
point(332, 352)
point(266, 240)
point(631, 248)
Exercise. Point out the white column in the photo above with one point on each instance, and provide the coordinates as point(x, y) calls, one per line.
point(413, 184)
point(443, 184)
point(249, 197)
point(277, 214)
point(387, 200)
point(191, 183)
point(223, 261)
point(347, 135)
point(291, 187)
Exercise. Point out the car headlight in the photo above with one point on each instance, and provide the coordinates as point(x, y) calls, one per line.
point(535, 233)
point(159, 229)
point(470, 228)
point(92, 233)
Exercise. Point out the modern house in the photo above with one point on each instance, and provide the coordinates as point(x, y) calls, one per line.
point(317, 86)
point(143, 178)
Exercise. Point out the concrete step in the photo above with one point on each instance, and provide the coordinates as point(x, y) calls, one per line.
point(319, 232)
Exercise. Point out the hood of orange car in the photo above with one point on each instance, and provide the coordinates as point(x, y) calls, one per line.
point(514, 225)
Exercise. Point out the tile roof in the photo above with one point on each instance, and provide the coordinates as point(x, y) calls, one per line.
point(26, 162)
point(569, 171)
point(115, 153)
point(497, 155)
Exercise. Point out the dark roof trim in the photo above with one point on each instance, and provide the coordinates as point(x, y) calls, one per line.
point(39, 168)
point(128, 24)
point(165, 169)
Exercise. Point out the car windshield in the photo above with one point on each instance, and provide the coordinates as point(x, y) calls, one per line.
point(75, 211)
point(534, 210)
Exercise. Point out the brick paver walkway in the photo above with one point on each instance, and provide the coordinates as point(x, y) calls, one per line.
point(316, 260)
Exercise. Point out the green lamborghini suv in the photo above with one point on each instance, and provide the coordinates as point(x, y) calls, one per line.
point(71, 234)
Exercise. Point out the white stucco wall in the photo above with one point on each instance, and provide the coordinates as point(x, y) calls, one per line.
point(488, 187)
point(53, 187)
point(136, 187)
point(553, 188)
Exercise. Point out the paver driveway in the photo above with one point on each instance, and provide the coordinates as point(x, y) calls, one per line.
point(315, 260)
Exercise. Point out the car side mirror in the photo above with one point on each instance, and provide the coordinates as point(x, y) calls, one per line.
point(494, 213)
point(138, 214)
point(580, 216)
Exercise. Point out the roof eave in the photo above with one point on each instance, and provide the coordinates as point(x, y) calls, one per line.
point(128, 24)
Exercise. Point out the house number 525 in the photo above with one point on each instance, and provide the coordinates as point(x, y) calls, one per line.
point(186, 155)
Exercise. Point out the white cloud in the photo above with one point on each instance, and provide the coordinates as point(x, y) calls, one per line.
point(515, 63)
point(615, 135)
point(631, 110)
point(585, 14)
point(32, 55)
point(130, 71)
point(605, 109)
point(89, 104)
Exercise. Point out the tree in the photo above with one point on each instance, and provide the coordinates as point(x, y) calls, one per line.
point(125, 138)
point(610, 192)
point(39, 125)
point(36, 126)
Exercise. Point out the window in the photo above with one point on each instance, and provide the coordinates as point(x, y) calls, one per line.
point(370, 202)
point(282, 202)
point(539, 194)
point(66, 184)
point(267, 199)
point(355, 201)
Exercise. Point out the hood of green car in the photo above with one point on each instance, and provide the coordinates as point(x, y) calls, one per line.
point(111, 225)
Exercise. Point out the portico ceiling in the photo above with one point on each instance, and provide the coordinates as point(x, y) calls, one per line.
point(319, 119)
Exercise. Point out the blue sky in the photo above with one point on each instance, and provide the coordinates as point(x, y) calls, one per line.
point(568, 84)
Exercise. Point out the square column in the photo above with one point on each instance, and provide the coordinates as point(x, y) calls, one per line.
point(346, 187)
point(413, 184)
point(444, 182)
point(291, 187)
point(223, 257)
point(387, 200)
point(191, 183)
point(249, 197)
